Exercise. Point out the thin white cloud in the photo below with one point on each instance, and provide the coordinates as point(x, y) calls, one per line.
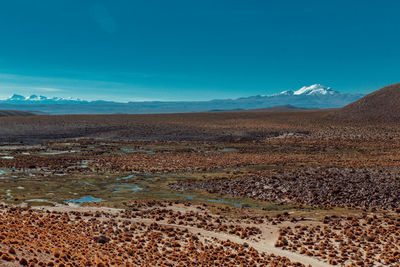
point(65, 87)
point(48, 89)
point(103, 18)
point(41, 82)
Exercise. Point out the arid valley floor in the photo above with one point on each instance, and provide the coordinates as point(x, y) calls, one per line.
point(203, 189)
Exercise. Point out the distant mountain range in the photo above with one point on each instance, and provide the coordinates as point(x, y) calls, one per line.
point(35, 99)
point(314, 96)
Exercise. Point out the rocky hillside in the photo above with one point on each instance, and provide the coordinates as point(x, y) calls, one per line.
point(381, 105)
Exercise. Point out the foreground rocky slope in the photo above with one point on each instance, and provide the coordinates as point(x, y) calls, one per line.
point(320, 187)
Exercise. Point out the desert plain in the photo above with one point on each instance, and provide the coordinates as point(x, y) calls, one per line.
point(302, 188)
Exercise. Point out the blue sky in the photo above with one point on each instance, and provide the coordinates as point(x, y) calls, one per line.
point(195, 50)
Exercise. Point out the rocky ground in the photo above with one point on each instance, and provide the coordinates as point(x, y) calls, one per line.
point(153, 235)
point(319, 187)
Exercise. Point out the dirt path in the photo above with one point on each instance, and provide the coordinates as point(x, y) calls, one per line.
point(266, 244)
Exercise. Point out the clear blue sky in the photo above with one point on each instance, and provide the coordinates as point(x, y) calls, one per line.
point(195, 50)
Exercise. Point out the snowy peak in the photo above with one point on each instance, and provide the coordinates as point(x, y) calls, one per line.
point(315, 89)
point(312, 90)
point(35, 99)
point(288, 92)
point(16, 97)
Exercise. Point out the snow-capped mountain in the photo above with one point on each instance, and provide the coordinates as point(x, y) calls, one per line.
point(315, 89)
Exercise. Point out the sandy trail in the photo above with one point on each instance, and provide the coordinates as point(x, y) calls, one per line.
point(266, 244)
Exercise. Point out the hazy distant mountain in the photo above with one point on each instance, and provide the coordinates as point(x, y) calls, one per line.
point(282, 108)
point(314, 96)
point(10, 113)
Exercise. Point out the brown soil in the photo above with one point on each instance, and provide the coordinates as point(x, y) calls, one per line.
point(10, 113)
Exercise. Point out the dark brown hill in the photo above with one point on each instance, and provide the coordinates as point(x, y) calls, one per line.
point(381, 105)
point(282, 108)
point(10, 113)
